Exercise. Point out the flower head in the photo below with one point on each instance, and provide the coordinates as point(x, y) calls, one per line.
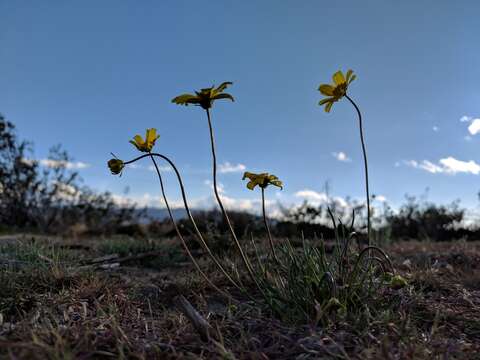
point(337, 90)
point(147, 144)
point(116, 166)
point(262, 180)
point(204, 97)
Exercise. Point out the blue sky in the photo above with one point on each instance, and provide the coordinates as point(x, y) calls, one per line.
point(91, 75)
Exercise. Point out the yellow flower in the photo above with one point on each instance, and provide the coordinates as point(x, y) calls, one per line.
point(116, 166)
point(262, 180)
point(147, 144)
point(204, 97)
point(337, 90)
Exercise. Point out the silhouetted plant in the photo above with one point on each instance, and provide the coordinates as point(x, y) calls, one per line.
point(263, 180)
point(205, 99)
point(300, 283)
point(146, 146)
point(334, 93)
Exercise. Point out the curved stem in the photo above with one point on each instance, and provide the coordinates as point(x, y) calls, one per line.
point(179, 234)
point(187, 209)
point(222, 208)
point(360, 124)
point(368, 250)
point(270, 239)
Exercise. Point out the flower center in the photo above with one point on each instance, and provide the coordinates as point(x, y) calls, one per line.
point(340, 90)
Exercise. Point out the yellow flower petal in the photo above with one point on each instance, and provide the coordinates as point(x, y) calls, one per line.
point(151, 137)
point(185, 99)
point(328, 107)
point(277, 183)
point(248, 175)
point(223, 96)
point(324, 101)
point(223, 86)
point(338, 78)
point(251, 184)
point(326, 89)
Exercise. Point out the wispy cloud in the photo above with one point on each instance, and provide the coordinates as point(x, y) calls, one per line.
point(448, 165)
point(67, 164)
point(54, 164)
point(227, 167)
point(164, 168)
point(341, 156)
point(319, 198)
point(145, 200)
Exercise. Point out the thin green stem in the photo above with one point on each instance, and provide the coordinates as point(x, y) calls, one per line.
point(270, 239)
point(203, 243)
point(179, 234)
point(222, 208)
point(365, 161)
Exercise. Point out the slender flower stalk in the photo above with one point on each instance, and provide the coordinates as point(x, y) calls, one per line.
point(365, 163)
point(245, 259)
point(189, 214)
point(269, 234)
point(263, 180)
point(334, 93)
point(205, 99)
point(179, 234)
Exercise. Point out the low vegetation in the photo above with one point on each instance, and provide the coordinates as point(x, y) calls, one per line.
point(56, 304)
point(322, 282)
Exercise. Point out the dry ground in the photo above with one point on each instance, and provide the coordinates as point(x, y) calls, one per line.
point(54, 304)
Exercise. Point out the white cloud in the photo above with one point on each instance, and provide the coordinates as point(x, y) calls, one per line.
point(67, 164)
point(227, 167)
point(318, 198)
point(312, 195)
point(57, 163)
point(425, 165)
point(436, 128)
point(474, 127)
point(380, 198)
point(164, 168)
point(341, 156)
point(448, 165)
point(145, 200)
point(454, 166)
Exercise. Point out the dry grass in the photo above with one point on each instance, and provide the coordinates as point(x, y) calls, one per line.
point(50, 310)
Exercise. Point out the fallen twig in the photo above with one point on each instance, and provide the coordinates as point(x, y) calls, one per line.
point(199, 323)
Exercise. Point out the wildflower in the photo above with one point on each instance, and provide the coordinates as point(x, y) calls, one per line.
point(116, 166)
point(147, 144)
point(262, 180)
point(337, 90)
point(204, 97)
